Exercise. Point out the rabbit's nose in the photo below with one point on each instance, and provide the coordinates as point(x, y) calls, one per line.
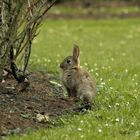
point(61, 65)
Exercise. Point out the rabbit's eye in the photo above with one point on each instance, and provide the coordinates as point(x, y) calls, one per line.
point(68, 61)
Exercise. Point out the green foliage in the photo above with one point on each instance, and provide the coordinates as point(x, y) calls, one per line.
point(102, 10)
point(110, 51)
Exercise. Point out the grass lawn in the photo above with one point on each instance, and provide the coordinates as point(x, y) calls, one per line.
point(79, 10)
point(110, 50)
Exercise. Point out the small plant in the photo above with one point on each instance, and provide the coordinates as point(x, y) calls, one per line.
point(19, 23)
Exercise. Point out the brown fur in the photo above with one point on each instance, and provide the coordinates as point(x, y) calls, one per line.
point(77, 81)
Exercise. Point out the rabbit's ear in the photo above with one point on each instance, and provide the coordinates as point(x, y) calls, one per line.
point(76, 52)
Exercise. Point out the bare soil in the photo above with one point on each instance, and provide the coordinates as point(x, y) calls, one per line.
point(18, 110)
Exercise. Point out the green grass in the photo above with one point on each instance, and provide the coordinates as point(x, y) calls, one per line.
point(110, 50)
point(106, 10)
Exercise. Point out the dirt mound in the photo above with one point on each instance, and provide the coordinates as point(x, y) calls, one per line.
point(19, 110)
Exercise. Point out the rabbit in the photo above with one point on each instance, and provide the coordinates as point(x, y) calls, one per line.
point(76, 80)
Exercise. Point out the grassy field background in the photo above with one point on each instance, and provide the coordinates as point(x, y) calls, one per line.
point(110, 50)
point(104, 10)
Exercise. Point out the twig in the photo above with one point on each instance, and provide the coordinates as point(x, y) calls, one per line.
point(29, 53)
point(21, 20)
point(29, 7)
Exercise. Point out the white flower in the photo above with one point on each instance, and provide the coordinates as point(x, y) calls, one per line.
point(38, 60)
point(96, 68)
point(97, 74)
point(106, 124)
point(58, 55)
point(109, 67)
point(136, 84)
point(103, 67)
point(109, 106)
point(91, 70)
point(95, 65)
point(99, 130)
point(117, 119)
point(126, 70)
point(45, 59)
point(117, 104)
point(112, 59)
point(85, 64)
point(49, 60)
point(132, 123)
point(102, 83)
point(79, 129)
point(137, 133)
point(127, 103)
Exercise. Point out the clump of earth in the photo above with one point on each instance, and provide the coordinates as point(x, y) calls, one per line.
point(42, 102)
